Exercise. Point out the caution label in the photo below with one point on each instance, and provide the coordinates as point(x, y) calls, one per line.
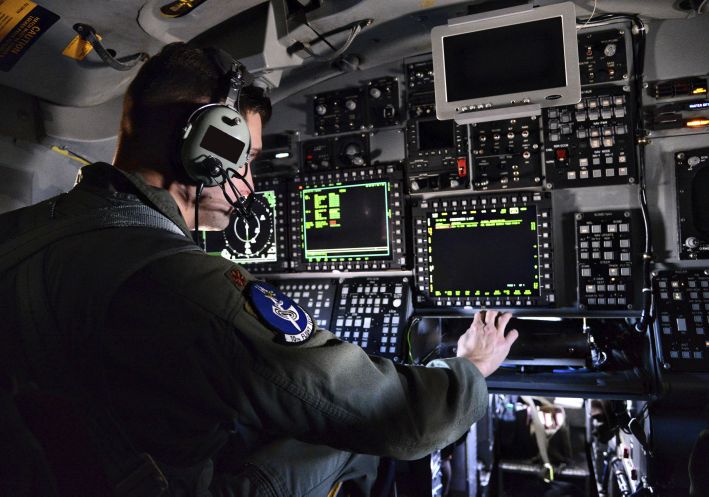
point(78, 48)
point(22, 22)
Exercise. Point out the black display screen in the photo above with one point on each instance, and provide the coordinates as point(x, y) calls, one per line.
point(346, 222)
point(486, 252)
point(223, 144)
point(510, 59)
point(435, 134)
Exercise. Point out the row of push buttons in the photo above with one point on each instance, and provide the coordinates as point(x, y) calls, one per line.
point(683, 306)
point(605, 259)
point(370, 314)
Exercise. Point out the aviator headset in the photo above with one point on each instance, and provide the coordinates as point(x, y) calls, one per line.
point(215, 142)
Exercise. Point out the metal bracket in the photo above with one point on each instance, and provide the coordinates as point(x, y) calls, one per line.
point(126, 63)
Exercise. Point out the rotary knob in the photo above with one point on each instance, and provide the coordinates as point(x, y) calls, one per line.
point(375, 92)
point(610, 50)
point(350, 104)
point(320, 109)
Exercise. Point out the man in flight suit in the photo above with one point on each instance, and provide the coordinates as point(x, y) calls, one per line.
point(168, 341)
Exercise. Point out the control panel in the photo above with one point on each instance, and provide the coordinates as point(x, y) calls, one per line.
point(383, 107)
point(605, 260)
point(591, 143)
point(317, 296)
point(682, 302)
point(348, 220)
point(506, 154)
point(372, 313)
point(456, 238)
point(436, 150)
point(692, 177)
point(338, 111)
point(258, 241)
point(336, 152)
point(602, 56)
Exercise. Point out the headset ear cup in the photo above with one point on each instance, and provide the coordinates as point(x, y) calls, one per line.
point(215, 139)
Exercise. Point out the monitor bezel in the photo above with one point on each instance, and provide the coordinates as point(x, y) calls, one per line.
point(351, 257)
point(548, 97)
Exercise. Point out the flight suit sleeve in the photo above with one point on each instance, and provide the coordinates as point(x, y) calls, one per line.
point(321, 391)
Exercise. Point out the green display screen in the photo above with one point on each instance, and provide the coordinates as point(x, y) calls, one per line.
point(489, 252)
point(346, 222)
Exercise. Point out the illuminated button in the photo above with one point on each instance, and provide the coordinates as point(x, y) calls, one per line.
point(590, 288)
point(698, 354)
point(581, 105)
point(686, 354)
point(586, 272)
point(596, 228)
point(555, 137)
point(593, 115)
point(623, 171)
point(619, 112)
point(624, 227)
point(392, 350)
point(562, 154)
point(591, 103)
point(625, 243)
point(611, 288)
point(608, 141)
point(595, 143)
point(610, 172)
point(583, 162)
point(602, 301)
point(364, 344)
point(601, 288)
point(382, 349)
point(582, 133)
point(605, 101)
point(584, 229)
point(583, 174)
point(606, 113)
point(571, 175)
point(699, 331)
point(357, 324)
point(619, 100)
point(613, 271)
point(581, 116)
point(625, 257)
point(340, 322)
point(367, 322)
point(625, 271)
point(674, 354)
point(592, 301)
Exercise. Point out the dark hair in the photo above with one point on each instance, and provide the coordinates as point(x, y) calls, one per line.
point(181, 74)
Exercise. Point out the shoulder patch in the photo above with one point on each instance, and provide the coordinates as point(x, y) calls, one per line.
point(291, 323)
point(237, 278)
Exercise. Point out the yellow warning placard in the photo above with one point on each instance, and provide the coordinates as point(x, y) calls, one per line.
point(78, 48)
point(22, 22)
point(11, 13)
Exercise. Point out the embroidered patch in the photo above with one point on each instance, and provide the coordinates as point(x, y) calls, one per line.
point(281, 314)
point(237, 278)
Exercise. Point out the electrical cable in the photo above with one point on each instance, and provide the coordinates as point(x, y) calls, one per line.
point(200, 188)
point(320, 37)
point(595, 4)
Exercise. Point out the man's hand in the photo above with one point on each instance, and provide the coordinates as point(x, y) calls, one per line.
point(484, 343)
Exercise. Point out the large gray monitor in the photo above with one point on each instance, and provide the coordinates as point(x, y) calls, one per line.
point(503, 62)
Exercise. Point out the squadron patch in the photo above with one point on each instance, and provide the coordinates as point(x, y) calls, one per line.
point(292, 324)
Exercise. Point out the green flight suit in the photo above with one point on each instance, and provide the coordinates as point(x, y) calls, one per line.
point(194, 376)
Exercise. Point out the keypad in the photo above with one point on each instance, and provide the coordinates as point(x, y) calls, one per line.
point(372, 313)
point(682, 325)
point(605, 260)
point(590, 143)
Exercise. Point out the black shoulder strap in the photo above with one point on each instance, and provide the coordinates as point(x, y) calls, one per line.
point(16, 250)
